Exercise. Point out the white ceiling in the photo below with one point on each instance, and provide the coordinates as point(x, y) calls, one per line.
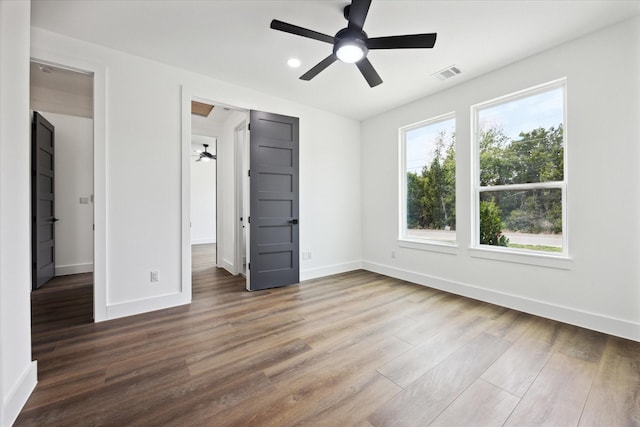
point(232, 41)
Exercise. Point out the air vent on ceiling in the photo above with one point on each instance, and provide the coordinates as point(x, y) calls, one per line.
point(447, 73)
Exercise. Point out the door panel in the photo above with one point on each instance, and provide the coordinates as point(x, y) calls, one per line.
point(42, 201)
point(273, 204)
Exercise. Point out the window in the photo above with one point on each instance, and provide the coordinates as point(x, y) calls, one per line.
point(520, 171)
point(429, 181)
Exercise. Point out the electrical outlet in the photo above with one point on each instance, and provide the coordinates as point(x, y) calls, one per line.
point(154, 276)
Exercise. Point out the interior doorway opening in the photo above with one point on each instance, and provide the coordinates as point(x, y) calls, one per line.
point(215, 189)
point(65, 98)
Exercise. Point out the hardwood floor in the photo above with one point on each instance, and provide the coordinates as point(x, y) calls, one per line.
point(356, 349)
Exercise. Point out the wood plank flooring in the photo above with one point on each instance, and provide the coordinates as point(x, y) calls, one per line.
point(355, 349)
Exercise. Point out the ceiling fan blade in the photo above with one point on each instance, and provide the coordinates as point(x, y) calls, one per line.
point(410, 41)
point(299, 31)
point(369, 72)
point(319, 67)
point(358, 13)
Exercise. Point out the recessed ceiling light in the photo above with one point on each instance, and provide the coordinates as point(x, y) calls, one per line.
point(293, 62)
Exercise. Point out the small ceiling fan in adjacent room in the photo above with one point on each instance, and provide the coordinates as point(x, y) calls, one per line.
point(204, 156)
point(351, 44)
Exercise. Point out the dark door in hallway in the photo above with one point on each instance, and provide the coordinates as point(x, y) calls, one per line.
point(42, 201)
point(273, 201)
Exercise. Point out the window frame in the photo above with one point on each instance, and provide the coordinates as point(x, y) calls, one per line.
point(403, 239)
point(526, 256)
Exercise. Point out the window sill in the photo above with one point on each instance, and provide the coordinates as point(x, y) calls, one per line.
point(562, 262)
point(431, 246)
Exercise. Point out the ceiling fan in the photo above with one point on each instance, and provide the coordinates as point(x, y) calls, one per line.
point(351, 44)
point(205, 156)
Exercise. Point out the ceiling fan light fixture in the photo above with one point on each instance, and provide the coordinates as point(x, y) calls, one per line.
point(350, 52)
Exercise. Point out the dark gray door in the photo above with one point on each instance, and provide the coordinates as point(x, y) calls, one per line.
point(273, 201)
point(42, 201)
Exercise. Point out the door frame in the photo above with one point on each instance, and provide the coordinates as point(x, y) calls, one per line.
point(100, 199)
point(241, 198)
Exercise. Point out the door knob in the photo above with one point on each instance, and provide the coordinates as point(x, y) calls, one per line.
point(55, 220)
point(293, 221)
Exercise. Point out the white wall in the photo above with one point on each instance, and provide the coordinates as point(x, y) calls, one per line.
point(144, 210)
point(601, 288)
point(73, 180)
point(203, 194)
point(205, 126)
point(17, 371)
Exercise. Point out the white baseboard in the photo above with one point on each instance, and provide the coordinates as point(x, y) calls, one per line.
point(328, 270)
point(593, 321)
point(17, 397)
point(63, 270)
point(130, 308)
point(203, 241)
point(227, 265)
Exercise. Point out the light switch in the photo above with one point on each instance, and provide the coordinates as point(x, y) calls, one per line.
point(84, 200)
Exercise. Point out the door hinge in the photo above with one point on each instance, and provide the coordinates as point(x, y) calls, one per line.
point(249, 266)
point(249, 220)
point(248, 172)
point(249, 126)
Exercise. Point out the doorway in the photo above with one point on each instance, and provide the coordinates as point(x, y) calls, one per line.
point(216, 125)
point(65, 98)
point(270, 191)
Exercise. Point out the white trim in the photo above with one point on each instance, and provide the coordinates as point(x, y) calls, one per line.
point(597, 322)
point(185, 196)
point(100, 158)
point(64, 270)
point(18, 395)
point(226, 264)
point(130, 308)
point(328, 270)
point(402, 167)
point(429, 245)
point(528, 186)
point(246, 204)
point(241, 208)
point(522, 256)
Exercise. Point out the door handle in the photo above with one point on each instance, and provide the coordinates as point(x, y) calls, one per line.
point(293, 221)
point(55, 220)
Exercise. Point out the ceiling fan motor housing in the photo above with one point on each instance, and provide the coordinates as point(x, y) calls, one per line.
point(347, 36)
